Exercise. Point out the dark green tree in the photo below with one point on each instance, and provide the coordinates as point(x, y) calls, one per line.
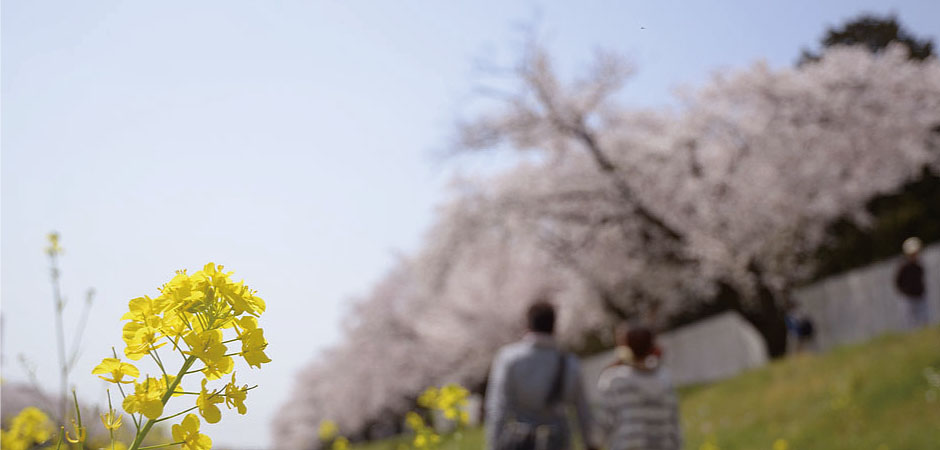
point(875, 33)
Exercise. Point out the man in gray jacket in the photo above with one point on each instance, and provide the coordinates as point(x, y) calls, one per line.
point(531, 384)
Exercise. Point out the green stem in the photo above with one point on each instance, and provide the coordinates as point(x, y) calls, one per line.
point(156, 357)
point(59, 441)
point(60, 341)
point(175, 415)
point(161, 445)
point(166, 397)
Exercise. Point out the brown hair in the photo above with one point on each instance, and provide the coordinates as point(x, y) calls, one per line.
point(638, 338)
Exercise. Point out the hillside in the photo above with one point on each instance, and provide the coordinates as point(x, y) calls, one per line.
point(876, 395)
point(868, 396)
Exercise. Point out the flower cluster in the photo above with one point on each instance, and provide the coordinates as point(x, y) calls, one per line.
point(329, 434)
point(196, 317)
point(450, 400)
point(31, 426)
point(425, 436)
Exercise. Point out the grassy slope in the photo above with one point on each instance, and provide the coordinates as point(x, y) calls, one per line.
point(868, 396)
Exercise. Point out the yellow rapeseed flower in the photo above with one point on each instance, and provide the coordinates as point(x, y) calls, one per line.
point(80, 434)
point(340, 443)
point(147, 397)
point(414, 420)
point(187, 432)
point(117, 369)
point(208, 347)
point(450, 400)
point(206, 404)
point(328, 430)
point(235, 396)
point(781, 444)
point(253, 342)
point(111, 421)
point(31, 426)
point(53, 248)
point(142, 338)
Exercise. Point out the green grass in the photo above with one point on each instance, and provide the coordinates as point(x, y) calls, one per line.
point(867, 396)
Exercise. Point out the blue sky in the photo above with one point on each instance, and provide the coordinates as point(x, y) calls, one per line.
point(290, 141)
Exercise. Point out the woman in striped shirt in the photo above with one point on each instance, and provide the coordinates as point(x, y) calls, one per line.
point(638, 407)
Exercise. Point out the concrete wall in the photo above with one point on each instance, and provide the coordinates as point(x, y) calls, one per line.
point(863, 303)
point(711, 349)
point(846, 308)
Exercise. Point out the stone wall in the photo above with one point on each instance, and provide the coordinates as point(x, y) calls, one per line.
point(846, 308)
point(711, 349)
point(863, 303)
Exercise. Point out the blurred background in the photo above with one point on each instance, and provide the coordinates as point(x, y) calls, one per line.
point(398, 180)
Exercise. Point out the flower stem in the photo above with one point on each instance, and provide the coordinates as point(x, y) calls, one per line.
point(161, 445)
point(166, 397)
point(175, 415)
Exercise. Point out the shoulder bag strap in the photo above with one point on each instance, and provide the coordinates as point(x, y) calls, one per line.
point(558, 384)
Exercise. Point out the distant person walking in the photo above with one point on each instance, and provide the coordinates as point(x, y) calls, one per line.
point(800, 327)
point(909, 281)
point(531, 384)
point(638, 409)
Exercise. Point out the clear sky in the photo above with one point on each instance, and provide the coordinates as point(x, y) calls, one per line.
point(290, 141)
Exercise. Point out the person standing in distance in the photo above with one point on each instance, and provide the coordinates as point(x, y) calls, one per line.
point(909, 281)
point(532, 383)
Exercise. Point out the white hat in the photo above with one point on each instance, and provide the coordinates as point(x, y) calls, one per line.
point(911, 245)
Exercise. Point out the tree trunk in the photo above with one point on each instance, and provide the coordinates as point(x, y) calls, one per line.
point(763, 313)
point(769, 319)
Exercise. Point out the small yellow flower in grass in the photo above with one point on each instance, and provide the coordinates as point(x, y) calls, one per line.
point(117, 369)
point(340, 443)
point(450, 400)
point(111, 421)
point(328, 430)
point(709, 444)
point(421, 441)
point(414, 420)
point(428, 398)
point(187, 432)
point(781, 444)
point(426, 439)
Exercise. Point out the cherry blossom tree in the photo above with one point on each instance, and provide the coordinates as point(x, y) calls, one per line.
point(723, 199)
point(738, 186)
